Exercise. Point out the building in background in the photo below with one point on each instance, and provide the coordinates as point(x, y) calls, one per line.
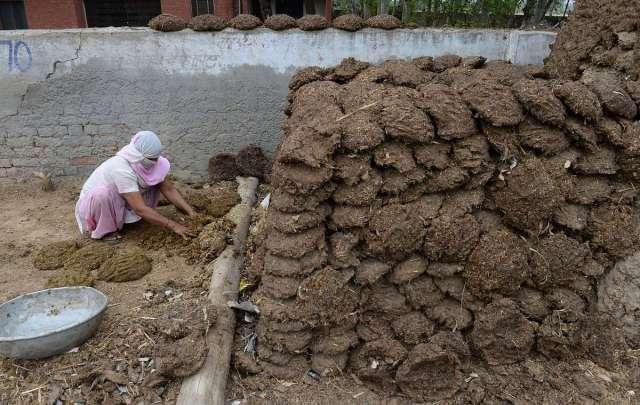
point(22, 14)
point(299, 8)
point(12, 15)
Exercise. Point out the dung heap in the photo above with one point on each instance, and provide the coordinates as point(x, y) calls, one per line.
point(599, 34)
point(437, 217)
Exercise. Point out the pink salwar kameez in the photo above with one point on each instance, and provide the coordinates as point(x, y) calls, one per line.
point(101, 208)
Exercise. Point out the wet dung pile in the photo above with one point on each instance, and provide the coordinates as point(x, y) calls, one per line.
point(53, 255)
point(252, 162)
point(440, 218)
point(125, 266)
point(212, 226)
point(223, 167)
point(249, 161)
point(80, 266)
point(83, 263)
point(216, 200)
point(71, 278)
point(600, 34)
point(214, 238)
point(213, 234)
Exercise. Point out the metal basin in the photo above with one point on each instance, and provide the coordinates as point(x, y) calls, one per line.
point(49, 322)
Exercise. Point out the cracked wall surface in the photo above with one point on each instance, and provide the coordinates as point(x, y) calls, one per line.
point(70, 98)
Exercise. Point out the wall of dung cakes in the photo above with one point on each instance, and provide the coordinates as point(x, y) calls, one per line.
point(435, 214)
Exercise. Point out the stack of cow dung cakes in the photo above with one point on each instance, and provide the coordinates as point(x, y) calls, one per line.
point(430, 214)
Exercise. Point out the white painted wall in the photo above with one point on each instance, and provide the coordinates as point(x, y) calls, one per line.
point(211, 91)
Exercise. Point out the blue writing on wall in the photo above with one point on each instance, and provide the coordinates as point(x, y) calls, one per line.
point(18, 55)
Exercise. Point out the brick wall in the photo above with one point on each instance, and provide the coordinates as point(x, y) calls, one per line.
point(60, 148)
point(71, 13)
point(223, 8)
point(55, 13)
point(328, 10)
point(181, 8)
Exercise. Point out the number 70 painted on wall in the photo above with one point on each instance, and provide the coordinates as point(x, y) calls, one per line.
point(19, 55)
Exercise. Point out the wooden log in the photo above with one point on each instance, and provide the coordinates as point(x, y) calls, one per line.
point(207, 387)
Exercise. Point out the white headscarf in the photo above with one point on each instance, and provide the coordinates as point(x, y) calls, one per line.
point(145, 148)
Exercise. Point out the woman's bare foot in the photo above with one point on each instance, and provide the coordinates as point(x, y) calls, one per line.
point(113, 237)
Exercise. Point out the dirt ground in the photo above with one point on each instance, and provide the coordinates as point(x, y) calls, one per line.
point(261, 389)
point(139, 312)
point(29, 218)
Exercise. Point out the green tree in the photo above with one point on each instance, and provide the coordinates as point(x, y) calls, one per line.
point(462, 13)
point(535, 10)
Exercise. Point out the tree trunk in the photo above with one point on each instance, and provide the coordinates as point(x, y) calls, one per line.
point(535, 10)
point(527, 10)
point(541, 9)
point(382, 7)
point(483, 11)
point(353, 6)
point(405, 11)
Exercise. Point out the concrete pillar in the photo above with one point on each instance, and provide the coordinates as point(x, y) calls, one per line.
point(246, 7)
point(180, 8)
point(223, 8)
point(55, 13)
point(328, 10)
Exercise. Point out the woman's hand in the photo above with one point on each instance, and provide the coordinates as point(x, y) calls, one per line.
point(136, 202)
point(171, 193)
point(183, 231)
